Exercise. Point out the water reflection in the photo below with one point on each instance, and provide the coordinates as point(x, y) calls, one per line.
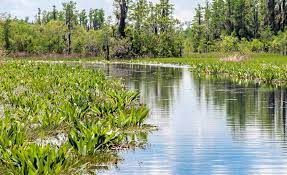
point(206, 126)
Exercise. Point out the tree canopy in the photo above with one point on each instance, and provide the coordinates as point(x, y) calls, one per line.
point(144, 29)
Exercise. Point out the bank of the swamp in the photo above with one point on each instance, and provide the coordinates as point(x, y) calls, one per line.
point(61, 119)
point(264, 69)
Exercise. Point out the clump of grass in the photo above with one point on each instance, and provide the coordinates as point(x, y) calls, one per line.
point(40, 100)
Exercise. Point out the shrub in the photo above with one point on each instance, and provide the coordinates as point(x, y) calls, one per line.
point(229, 44)
point(256, 45)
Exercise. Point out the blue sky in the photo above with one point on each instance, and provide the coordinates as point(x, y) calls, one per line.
point(22, 8)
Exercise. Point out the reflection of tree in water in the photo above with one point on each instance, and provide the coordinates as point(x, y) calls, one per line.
point(249, 106)
point(157, 85)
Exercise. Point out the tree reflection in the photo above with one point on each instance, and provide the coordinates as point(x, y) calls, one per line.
point(247, 105)
point(158, 85)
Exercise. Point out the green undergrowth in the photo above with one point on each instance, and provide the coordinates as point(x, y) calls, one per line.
point(61, 119)
point(47, 58)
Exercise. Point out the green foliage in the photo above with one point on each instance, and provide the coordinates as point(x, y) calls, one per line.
point(41, 100)
point(35, 159)
point(279, 43)
point(87, 138)
point(256, 45)
point(147, 29)
point(229, 44)
point(254, 24)
point(12, 133)
point(53, 31)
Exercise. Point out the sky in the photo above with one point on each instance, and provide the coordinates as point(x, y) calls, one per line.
point(184, 9)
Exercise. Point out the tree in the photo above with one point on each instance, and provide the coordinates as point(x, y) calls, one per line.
point(253, 18)
point(240, 19)
point(121, 13)
point(97, 18)
point(38, 16)
point(217, 18)
point(207, 21)
point(269, 19)
point(83, 19)
point(197, 30)
point(55, 31)
point(6, 33)
point(70, 18)
point(229, 22)
point(54, 13)
point(139, 16)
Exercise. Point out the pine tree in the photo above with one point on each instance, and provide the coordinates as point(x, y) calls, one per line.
point(217, 18)
point(70, 18)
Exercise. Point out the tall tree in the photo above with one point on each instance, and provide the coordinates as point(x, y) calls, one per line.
point(281, 12)
point(121, 13)
point(207, 22)
point(38, 17)
point(70, 17)
point(198, 18)
point(229, 23)
point(83, 19)
point(217, 17)
point(139, 15)
point(6, 34)
point(270, 15)
point(253, 17)
point(166, 10)
point(98, 18)
point(54, 13)
point(240, 18)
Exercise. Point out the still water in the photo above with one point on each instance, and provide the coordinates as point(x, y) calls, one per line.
point(205, 126)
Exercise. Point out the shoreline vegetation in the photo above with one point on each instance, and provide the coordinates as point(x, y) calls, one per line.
point(254, 30)
point(260, 69)
point(263, 72)
point(139, 28)
point(61, 119)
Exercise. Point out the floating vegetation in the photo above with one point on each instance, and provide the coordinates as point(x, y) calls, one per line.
point(60, 119)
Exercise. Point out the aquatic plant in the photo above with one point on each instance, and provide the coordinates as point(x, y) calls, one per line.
point(41, 100)
point(34, 159)
point(87, 138)
point(11, 133)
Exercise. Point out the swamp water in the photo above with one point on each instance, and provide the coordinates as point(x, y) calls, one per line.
point(205, 126)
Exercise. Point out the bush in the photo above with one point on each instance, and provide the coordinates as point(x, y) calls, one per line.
point(279, 43)
point(120, 48)
point(244, 46)
point(229, 44)
point(256, 46)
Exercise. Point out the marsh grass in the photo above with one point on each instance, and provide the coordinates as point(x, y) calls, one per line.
point(92, 113)
point(262, 69)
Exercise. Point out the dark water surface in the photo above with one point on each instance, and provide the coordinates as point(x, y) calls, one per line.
point(206, 126)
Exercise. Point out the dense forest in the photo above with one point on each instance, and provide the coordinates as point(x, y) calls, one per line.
point(140, 28)
point(239, 25)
